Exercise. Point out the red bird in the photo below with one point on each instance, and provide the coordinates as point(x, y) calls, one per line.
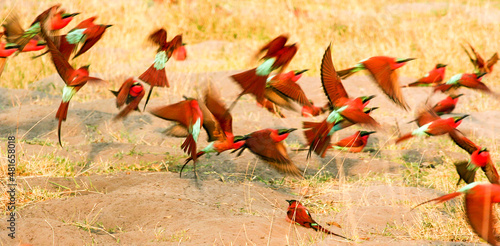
point(283, 87)
point(469, 80)
point(434, 128)
point(480, 158)
point(354, 143)
point(218, 123)
point(130, 93)
point(61, 19)
point(446, 105)
point(479, 199)
point(267, 145)
point(156, 75)
point(310, 111)
point(299, 214)
point(180, 53)
point(278, 56)
point(344, 107)
point(87, 32)
point(75, 79)
point(6, 50)
point(383, 71)
point(479, 65)
point(189, 115)
point(433, 78)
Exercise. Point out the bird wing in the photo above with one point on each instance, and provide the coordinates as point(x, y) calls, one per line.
point(12, 28)
point(491, 172)
point(356, 115)
point(179, 112)
point(386, 78)
point(210, 124)
point(64, 69)
point(285, 58)
point(272, 47)
point(463, 142)
point(426, 115)
point(332, 85)
point(290, 89)
point(158, 37)
point(492, 61)
point(218, 109)
point(478, 208)
point(133, 105)
point(479, 62)
point(123, 92)
point(278, 98)
point(94, 34)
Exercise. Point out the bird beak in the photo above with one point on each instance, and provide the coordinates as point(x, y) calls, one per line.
point(108, 26)
point(289, 202)
point(368, 98)
point(479, 75)
point(459, 118)
point(70, 15)
point(369, 110)
point(363, 133)
point(483, 150)
point(240, 138)
point(441, 65)
point(459, 95)
point(301, 72)
point(405, 60)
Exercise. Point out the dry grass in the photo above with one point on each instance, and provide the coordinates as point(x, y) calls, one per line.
point(358, 29)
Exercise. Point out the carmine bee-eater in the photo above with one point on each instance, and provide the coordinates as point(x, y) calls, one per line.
point(354, 143)
point(16, 34)
point(433, 126)
point(479, 200)
point(267, 145)
point(156, 74)
point(343, 107)
point(278, 56)
point(86, 33)
point(299, 214)
point(383, 71)
point(446, 105)
point(218, 124)
point(433, 78)
point(180, 53)
point(130, 93)
point(75, 79)
point(6, 50)
point(469, 80)
point(479, 158)
point(479, 65)
point(282, 88)
point(189, 115)
point(61, 19)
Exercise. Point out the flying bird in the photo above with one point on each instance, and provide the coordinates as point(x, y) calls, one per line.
point(130, 94)
point(479, 200)
point(6, 50)
point(436, 127)
point(383, 71)
point(156, 74)
point(189, 115)
point(433, 78)
point(469, 80)
point(446, 105)
point(354, 143)
point(74, 79)
point(218, 124)
point(86, 33)
point(277, 57)
point(267, 145)
point(299, 214)
point(282, 88)
point(479, 65)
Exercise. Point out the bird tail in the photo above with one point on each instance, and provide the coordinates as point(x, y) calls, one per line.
point(442, 87)
point(312, 129)
point(189, 146)
point(155, 77)
point(416, 84)
point(317, 227)
point(441, 198)
point(61, 114)
point(252, 83)
point(346, 73)
point(190, 159)
point(321, 141)
point(404, 138)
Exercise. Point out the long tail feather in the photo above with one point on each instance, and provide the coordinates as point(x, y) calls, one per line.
point(346, 73)
point(147, 98)
point(404, 138)
point(441, 198)
point(155, 77)
point(321, 229)
point(61, 114)
point(190, 159)
point(252, 83)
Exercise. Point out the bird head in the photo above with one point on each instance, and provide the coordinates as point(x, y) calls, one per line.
point(366, 99)
point(480, 74)
point(290, 202)
point(86, 67)
point(68, 15)
point(440, 65)
point(284, 131)
point(369, 110)
point(136, 89)
point(297, 74)
point(108, 26)
point(484, 149)
point(365, 133)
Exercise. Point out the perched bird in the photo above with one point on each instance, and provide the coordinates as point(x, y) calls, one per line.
point(188, 114)
point(156, 74)
point(479, 65)
point(75, 79)
point(277, 57)
point(383, 71)
point(479, 199)
point(299, 214)
point(130, 93)
point(354, 143)
point(6, 50)
point(16, 34)
point(436, 127)
point(267, 145)
point(218, 124)
point(343, 107)
point(433, 78)
point(446, 105)
point(479, 158)
point(469, 80)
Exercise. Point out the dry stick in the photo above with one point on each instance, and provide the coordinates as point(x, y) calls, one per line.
point(271, 228)
point(53, 233)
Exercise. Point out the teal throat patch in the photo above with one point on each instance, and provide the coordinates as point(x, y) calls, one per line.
point(195, 131)
point(454, 80)
point(335, 116)
point(75, 36)
point(68, 93)
point(265, 68)
point(160, 60)
point(32, 31)
point(422, 131)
